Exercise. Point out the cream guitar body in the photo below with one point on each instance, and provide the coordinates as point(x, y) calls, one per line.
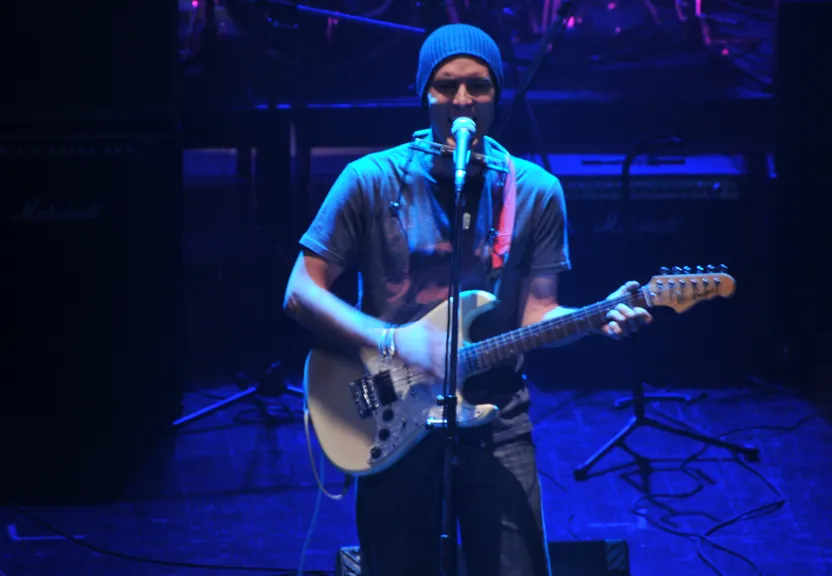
point(368, 411)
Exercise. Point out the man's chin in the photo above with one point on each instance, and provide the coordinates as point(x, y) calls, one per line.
point(451, 141)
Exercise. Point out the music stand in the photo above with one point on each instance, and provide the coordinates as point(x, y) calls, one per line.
point(640, 418)
point(273, 383)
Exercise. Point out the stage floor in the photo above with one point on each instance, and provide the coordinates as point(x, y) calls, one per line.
point(240, 492)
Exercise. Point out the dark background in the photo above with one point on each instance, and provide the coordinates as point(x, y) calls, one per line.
point(158, 164)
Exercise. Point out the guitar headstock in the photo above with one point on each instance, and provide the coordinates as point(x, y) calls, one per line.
point(683, 288)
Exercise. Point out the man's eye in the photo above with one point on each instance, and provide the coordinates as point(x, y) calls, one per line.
point(474, 86)
point(478, 86)
point(446, 86)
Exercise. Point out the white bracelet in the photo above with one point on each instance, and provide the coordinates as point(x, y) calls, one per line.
point(382, 343)
point(392, 336)
point(387, 343)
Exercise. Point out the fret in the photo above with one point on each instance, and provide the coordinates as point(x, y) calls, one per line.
point(538, 339)
point(483, 355)
point(502, 351)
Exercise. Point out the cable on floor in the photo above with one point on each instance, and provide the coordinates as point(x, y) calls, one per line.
point(148, 560)
point(704, 538)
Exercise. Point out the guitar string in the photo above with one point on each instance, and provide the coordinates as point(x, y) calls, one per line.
point(541, 327)
point(474, 352)
point(471, 354)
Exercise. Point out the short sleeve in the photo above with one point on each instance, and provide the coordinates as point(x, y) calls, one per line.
point(550, 242)
point(335, 232)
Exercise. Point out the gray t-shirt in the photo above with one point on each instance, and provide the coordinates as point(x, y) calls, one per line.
point(390, 220)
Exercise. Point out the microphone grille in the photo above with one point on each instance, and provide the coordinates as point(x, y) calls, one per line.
point(463, 124)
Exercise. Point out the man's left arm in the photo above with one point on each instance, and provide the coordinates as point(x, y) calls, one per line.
point(539, 301)
point(549, 257)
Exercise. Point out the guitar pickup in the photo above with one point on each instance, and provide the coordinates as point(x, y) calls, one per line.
point(370, 392)
point(364, 396)
point(385, 392)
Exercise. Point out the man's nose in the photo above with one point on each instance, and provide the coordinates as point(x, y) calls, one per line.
point(462, 97)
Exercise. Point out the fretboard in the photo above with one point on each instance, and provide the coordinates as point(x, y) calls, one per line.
point(485, 354)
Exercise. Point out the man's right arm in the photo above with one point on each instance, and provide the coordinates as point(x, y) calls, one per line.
point(308, 300)
point(330, 245)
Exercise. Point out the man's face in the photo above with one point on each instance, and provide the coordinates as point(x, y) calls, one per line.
point(461, 87)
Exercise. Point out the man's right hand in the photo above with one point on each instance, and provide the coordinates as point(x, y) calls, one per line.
point(420, 345)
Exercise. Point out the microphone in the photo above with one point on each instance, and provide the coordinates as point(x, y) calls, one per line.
point(463, 130)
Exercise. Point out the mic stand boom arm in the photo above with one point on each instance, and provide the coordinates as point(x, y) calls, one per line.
point(545, 49)
point(290, 10)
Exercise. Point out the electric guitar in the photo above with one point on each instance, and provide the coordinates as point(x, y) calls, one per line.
point(369, 411)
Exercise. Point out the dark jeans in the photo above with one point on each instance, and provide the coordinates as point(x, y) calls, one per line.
point(498, 504)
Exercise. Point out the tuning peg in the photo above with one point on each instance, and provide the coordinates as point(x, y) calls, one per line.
point(664, 270)
point(687, 269)
point(723, 268)
point(677, 270)
point(700, 270)
point(710, 268)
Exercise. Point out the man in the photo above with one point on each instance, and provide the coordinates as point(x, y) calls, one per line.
point(389, 215)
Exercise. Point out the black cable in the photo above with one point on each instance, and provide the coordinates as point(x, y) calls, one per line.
point(241, 418)
point(147, 560)
point(704, 538)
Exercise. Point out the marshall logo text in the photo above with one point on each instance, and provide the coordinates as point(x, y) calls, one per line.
point(38, 211)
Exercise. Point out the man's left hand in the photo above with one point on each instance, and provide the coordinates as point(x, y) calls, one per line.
point(623, 319)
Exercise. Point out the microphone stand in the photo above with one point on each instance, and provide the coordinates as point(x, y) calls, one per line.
point(448, 400)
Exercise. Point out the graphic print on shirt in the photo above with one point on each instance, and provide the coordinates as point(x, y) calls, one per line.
point(418, 248)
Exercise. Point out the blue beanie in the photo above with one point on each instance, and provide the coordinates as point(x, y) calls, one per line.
point(454, 40)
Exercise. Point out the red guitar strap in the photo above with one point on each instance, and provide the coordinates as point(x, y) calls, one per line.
point(505, 221)
point(504, 197)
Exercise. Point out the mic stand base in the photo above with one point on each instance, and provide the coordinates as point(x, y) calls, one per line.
point(581, 473)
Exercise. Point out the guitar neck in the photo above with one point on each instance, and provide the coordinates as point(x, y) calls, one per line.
point(486, 354)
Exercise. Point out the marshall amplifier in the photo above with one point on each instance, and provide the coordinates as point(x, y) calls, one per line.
point(685, 211)
point(91, 303)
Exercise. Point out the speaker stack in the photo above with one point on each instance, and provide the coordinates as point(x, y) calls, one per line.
point(686, 211)
point(802, 151)
point(90, 172)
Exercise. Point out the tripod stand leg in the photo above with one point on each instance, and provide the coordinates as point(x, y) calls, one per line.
point(582, 471)
point(214, 407)
point(750, 453)
point(653, 397)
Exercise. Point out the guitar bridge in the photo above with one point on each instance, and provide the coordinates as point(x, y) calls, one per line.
point(370, 392)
